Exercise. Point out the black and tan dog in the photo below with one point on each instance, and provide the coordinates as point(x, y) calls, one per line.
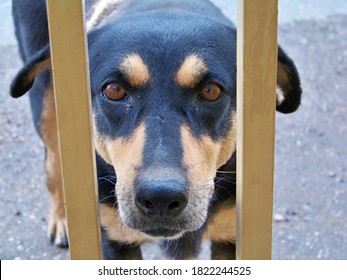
point(163, 83)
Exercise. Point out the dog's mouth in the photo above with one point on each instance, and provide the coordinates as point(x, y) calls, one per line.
point(162, 232)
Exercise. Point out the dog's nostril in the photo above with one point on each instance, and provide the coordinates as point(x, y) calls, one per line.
point(147, 205)
point(174, 206)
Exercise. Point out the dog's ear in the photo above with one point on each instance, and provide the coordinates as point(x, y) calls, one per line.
point(288, 84)
point(24, 80)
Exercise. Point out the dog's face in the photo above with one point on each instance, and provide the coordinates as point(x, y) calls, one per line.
point(164, 109)
point(164, 117)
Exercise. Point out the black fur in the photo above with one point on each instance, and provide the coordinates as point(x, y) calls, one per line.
point(163, 37)
point(185, 248)
point(115, 251)
point(22, 82)
point(292, 88)
point(223, 251)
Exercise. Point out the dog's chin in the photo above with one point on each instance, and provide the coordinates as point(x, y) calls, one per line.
point(159, 234)
point(158, 231)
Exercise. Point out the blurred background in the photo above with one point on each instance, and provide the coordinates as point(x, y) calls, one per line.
point(310, 207)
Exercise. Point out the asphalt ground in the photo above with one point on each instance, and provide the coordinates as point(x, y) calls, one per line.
point(310, 207)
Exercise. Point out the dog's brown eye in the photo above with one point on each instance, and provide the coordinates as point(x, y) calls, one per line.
point(211, 92)
point(114, 91)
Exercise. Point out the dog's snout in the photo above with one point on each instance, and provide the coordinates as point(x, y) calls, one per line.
point(162, 199)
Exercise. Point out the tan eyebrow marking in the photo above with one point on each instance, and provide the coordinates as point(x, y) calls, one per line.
point(135, 70)
point(191, 71)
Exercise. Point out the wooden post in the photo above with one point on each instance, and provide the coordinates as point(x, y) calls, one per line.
point(256, 103)
point(72, 97)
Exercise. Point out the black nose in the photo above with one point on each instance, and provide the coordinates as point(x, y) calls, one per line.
point(160, 200)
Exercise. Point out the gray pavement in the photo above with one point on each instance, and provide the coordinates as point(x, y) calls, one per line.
point(310, 215)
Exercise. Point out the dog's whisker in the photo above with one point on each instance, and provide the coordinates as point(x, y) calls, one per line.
point(227, 180)
point(226, 172)
point(105, 198)
point(107, 180)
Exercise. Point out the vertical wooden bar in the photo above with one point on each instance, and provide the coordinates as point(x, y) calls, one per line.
point(72, 97)
point(256, 103)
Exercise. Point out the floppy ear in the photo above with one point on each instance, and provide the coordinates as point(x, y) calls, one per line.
point(24, 80)
point(288, 84)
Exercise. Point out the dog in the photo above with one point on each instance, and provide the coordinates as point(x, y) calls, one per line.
point(163, 85)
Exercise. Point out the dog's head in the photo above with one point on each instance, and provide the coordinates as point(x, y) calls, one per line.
point(164, 108)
